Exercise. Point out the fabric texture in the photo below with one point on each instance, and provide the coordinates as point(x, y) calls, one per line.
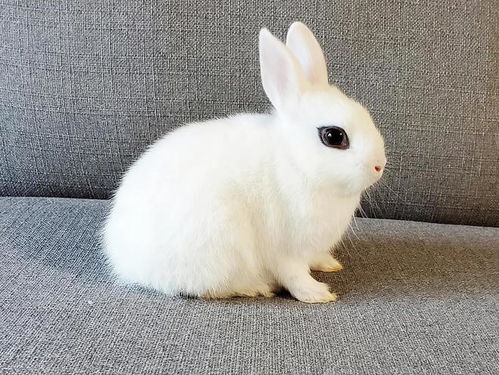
point(415, 298)
point(86, 85)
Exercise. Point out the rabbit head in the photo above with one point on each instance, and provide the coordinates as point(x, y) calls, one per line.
point(328, 136)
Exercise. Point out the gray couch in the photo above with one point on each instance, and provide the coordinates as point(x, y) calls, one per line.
point(86, 85)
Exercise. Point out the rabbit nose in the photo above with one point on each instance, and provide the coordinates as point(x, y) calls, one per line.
point(378, 168)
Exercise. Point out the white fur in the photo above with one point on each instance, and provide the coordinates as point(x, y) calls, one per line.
point(244, 205)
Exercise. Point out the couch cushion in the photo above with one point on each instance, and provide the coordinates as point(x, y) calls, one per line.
point(86, 85)
point(415, 298)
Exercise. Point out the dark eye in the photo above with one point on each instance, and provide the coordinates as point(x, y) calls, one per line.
point(333, 136)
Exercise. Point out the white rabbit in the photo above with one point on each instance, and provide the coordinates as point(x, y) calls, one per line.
point(245, 205)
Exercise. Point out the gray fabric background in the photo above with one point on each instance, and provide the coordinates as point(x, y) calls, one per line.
point(415, 298)
point(86, 85)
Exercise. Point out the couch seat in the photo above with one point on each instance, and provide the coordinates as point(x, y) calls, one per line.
point(415, 298)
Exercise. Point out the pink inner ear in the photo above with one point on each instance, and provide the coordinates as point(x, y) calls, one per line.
point(281, 78)
point(304, 58)
point(277, 72)
point(308, 51)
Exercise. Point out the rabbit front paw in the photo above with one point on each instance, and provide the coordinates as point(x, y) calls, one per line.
point(313, 293)
point(326, 263)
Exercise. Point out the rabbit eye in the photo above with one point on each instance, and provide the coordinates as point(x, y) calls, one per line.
point(333, 136)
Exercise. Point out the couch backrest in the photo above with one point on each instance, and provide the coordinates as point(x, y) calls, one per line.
point(86, 85)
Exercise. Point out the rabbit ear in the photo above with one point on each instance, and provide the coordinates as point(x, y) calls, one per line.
point(282, 77)
point(308, 51)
